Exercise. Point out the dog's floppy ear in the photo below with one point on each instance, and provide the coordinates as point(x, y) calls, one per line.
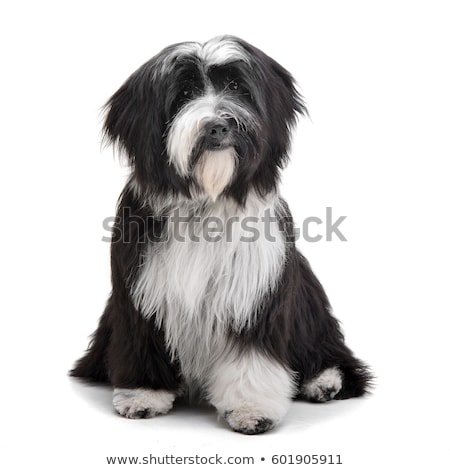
point(289, 97)
point(284, 104)
point(134, 123)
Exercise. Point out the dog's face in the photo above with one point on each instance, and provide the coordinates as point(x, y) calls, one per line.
point(206, 119)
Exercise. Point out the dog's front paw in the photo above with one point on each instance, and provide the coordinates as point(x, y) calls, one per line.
point(251, 391)
point(247, 421)
point(139, 403)
point(323, 387)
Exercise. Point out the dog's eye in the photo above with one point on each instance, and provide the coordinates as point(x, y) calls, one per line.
point(187, 93)
point(233, 85)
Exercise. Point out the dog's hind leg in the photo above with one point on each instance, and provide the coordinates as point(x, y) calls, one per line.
point(337, 383)
point(92, 366)
point(324, 386)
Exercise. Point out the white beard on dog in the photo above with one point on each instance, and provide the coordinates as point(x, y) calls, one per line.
point(214, 170)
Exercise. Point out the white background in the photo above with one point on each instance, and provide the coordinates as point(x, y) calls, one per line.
point(376, 77)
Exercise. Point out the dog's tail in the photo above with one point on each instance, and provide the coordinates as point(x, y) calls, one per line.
point(358, 379)
point(92, 366)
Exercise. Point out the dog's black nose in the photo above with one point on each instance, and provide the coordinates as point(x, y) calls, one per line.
point(218, 133)
point(218, 129)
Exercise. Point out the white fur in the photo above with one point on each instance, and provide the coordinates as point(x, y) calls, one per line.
point(325, 386)
point(171, 56)
point(142, 402)
point(221, 50)
point(198, 288)
point(249, 387)
point(188, 125)
point(214, 170)
point(216, 51)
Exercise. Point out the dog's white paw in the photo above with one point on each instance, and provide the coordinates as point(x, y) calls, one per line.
point(139, 403)
point(251, 391)
point(248, 421)
point(323, 387)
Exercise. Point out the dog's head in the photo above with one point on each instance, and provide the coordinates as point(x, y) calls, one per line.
point(211, 118)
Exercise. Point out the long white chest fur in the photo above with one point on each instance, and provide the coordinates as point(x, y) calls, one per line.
point(216, 263)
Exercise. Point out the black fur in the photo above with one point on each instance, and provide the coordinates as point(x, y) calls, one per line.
point(294, 325)
point(297, 327)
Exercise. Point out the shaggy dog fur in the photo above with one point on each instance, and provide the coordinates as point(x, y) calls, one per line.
point(210, 296)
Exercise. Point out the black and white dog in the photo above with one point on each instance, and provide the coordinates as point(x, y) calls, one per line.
point(209, 294)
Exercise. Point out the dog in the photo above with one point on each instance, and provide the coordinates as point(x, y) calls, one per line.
point(210, 297)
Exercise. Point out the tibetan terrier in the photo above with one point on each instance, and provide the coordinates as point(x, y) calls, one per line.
point(210, 297)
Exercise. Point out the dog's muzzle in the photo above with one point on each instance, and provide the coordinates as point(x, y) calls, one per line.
point(218, 133)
